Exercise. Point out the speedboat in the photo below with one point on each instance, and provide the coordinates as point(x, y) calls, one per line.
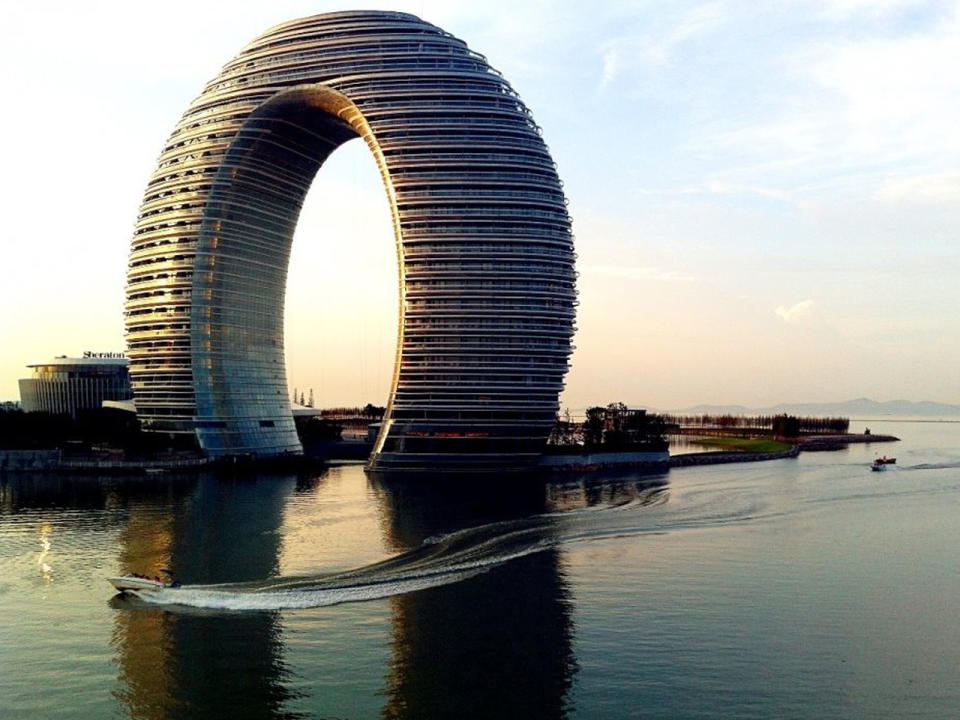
point(881, 463)
point(137, 583)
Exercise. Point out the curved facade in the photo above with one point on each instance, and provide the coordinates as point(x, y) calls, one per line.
point(483, 240)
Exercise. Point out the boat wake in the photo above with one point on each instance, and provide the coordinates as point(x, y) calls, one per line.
point(932, 466)
point(446, 559)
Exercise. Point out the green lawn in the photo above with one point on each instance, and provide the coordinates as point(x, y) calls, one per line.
point(757, 445)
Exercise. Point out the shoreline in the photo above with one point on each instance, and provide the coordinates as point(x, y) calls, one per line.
point(599, 461)
point(12, 461)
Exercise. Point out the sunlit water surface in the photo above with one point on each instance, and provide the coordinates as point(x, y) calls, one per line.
point(805, 588)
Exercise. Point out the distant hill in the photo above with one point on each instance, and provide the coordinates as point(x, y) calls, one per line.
point(716, 410)
point(859, 407)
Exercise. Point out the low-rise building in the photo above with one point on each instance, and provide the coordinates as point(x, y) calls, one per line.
point(67, 385)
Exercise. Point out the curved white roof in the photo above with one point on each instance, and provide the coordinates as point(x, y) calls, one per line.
point(100, 361)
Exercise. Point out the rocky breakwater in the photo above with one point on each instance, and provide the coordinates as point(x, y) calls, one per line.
point(730, 456)
point(815, 443)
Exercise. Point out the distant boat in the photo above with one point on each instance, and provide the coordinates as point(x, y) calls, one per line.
point(881, 463)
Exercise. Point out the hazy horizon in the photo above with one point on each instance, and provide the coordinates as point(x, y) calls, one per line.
point(765, 201)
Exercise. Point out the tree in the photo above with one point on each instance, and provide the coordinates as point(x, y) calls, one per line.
point(372, 411)
point(786, 426)
point(593, 427)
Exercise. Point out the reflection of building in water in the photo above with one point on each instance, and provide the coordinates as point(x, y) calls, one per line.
point(140, 637)
point(609, 489)
point(196, 664)
point(138, 515)
point(493, 646)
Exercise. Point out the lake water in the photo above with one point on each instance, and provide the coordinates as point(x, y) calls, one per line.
point(803, 588)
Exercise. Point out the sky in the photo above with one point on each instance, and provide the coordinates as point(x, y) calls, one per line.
point(765, 196)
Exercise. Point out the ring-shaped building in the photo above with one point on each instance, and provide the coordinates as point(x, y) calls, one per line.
point(483, 241)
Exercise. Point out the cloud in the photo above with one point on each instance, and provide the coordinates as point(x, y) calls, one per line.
point(839, 10)
point(860, 106)
point(657, 46)
point(796, 313)
point(714, 186)
point(933, 189)
point(896, 95)
point(719, 187)
point(696, 22)
point(611, 58)
point(636, 273)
